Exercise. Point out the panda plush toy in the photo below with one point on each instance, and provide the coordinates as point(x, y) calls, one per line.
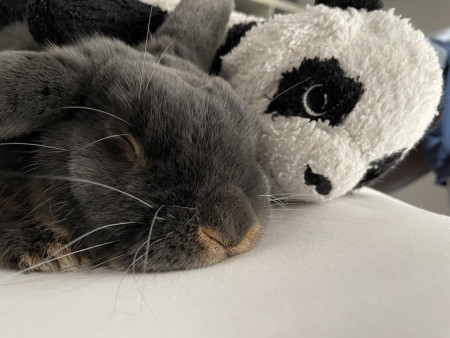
point(342, 90)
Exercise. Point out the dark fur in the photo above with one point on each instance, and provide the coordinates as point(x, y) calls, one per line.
point(370, 5)
point(378, 169)
point(234, 36)
point(60, 21)
point(11, 11)
point(336, 97)
point(195, 163)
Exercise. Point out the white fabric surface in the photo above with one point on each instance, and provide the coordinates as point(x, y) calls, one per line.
point(365, 265)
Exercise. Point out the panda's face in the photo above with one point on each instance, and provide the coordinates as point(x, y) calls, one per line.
point(340, 95)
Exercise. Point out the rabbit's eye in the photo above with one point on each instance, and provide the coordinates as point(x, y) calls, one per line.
point(133, 149)
point(122, 146)
point(130, 142)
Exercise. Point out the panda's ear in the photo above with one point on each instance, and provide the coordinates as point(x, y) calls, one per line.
point(234, 36)
point(370, 5)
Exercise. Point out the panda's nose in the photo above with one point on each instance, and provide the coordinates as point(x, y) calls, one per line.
point(320, 182)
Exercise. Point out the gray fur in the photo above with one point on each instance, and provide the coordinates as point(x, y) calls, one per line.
point(196, 164)
point(200, 42)
point(16, 36)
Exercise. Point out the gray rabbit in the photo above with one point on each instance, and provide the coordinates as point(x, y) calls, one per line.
point(136, 161)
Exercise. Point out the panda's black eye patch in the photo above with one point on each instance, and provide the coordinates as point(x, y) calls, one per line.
point(317, 90)
point(378, 168)
point(370, 5)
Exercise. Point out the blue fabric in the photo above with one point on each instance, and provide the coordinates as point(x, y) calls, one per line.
point(442, 54)
point(437, 142)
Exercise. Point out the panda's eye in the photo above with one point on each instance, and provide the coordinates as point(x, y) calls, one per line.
point(315, 100)
point(318, 90)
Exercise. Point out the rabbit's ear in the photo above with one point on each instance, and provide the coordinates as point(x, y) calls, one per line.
point(34, 87)
point(196, 29)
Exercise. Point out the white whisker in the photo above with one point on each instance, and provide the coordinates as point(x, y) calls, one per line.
point(98, 111)
point(147, 248)
point(278, 202)
point(92, 232)
point(100, 140)
point(145, 52)
point(32, 144)
point(124, 97)
point(78, 180)
point(31, 268)
point(157, 64)
point(292, 87)
point(133, 263)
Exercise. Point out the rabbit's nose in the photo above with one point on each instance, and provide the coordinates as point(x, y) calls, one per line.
point(217, 244)
point(320, 182)
point(231, 226)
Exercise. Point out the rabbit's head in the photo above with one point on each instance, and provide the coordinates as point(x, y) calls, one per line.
point(156, 169)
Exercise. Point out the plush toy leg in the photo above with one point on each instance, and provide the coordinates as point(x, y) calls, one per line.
point(12, 10)
point(62, 21)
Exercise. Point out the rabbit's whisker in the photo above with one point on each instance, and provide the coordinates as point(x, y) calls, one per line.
point(31, 268)
point(31, 167)
point(277, 202)
point(78, 180)
point(290, 88)
point(289, 195)
point(135, 257)
point(145, 52)
point(294, 199)
point(123, 96)
point(94, 231)
point(273, 199)
point(147, 248)
point(100, 140)
point(133, 265)
point(33, 145)
point(157, 64)
point(96, 110)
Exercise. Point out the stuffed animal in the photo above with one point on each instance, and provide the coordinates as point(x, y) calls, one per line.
point(342, 90)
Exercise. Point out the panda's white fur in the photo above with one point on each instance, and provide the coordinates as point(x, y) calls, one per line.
point(402, 84)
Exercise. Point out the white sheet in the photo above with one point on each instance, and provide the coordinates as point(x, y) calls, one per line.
point(360, 266)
